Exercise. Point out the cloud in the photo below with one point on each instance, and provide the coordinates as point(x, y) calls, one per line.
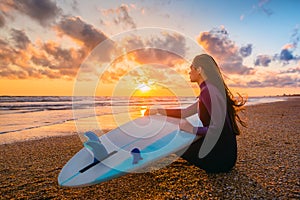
point(38, 60)
point(286, 55)
point(15, 63)
point(176, 42)
point(67, 61)
point(74, 5)
point(13, 74)
point(280, 81)
point(7, 54)
point(124, 17)
point(121, 15)
point(287, 51)
point(78, 30)
point(148, 51)
point(155, 73)
point(246, 50)
point(217, 43)
point(261, 7)
point(295, 38)
point(21, 58)
point(271, 80)
point(157, 49)
point(89, 38)
point(262, 60)
point(2, 21)
point(20, 38)
point(254, 83)
point(295, 70)
point(44, 12)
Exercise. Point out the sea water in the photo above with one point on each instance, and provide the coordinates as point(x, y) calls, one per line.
point(32, 117)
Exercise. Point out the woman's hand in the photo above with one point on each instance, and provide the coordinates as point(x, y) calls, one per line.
point(186, 126)
point(155, 111)
point(151, 112)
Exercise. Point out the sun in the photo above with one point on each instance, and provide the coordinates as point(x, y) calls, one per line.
point(143, 87)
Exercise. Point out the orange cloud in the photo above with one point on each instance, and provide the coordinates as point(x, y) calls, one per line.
point(133, 71)
point(22, 58)
point(39, 60)
point(136, 52)
point(288, 46)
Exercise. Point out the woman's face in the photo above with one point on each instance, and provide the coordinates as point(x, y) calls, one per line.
point(195, 75)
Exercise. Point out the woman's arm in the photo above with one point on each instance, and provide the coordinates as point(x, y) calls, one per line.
point(190, 110)
point(175, 112)
point(188, 127)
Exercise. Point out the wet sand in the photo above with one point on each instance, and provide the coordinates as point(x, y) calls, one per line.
point(267, 167)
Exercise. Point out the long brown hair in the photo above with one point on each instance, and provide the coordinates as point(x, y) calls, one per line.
point(214, 76)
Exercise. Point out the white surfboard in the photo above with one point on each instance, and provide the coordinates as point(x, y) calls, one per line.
point(125, 149)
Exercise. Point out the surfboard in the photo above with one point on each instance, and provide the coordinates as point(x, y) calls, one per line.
point(126, 149)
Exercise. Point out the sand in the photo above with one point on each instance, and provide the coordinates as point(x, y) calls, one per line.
point(267, 166)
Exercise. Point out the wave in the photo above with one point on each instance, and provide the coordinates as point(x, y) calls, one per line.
point(31, 112)
point(27, 104)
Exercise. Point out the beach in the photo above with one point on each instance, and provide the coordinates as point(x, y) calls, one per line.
point(267, 166)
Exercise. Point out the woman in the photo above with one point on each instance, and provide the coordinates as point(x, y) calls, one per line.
point(216, 150)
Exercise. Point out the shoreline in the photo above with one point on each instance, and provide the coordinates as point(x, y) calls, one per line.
point(267, 166)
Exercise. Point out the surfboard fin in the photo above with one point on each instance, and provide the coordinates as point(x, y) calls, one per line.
point(97, 148)
point(94, 145)
point(136, 153)
point(91, 136)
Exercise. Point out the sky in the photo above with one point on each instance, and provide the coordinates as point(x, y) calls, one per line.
point(98, 47)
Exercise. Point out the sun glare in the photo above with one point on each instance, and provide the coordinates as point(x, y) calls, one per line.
point(144, 88)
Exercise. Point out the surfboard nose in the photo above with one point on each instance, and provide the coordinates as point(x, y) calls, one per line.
point(64, 181)
point(74, 180)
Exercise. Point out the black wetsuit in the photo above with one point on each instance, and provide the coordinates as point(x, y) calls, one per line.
point(223, 155)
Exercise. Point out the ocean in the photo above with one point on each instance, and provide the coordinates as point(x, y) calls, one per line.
point(33, 117)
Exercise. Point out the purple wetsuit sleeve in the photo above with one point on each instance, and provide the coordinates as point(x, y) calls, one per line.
point(204, 110)
point(201, 131)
